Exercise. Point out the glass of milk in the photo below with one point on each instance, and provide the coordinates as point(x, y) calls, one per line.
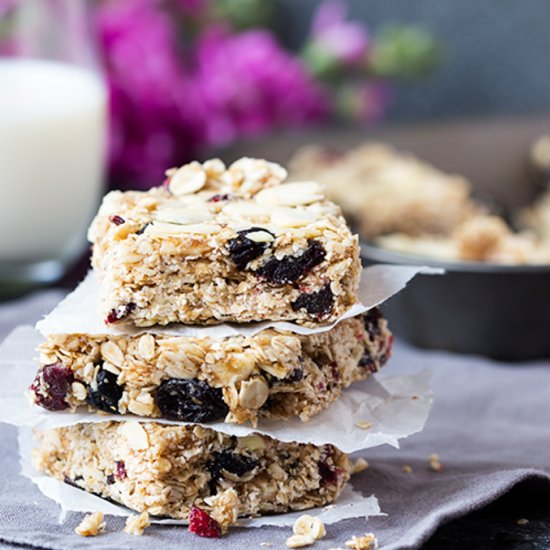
point(53, 126)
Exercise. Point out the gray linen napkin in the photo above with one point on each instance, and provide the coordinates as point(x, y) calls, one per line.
point(489, 425)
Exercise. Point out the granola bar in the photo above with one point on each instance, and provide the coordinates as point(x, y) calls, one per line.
point(273, 374)
point(385, 191)
point(169, 470)
point(216, 244)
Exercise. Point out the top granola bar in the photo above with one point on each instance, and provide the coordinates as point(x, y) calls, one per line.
point(216, 244)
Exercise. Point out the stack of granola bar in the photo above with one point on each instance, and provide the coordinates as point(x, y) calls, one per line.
point(212, 245)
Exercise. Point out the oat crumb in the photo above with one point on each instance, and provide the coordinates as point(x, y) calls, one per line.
point(364, 424)
point(522, 521)
point(359, 465)
point(415, 397)
point(91, 525)
point(367, 542)
point(407, 469)
point(135, 525)
point(299, 541)
point(435, 463)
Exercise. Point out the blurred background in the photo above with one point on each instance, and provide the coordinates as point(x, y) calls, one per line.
point(161, 82)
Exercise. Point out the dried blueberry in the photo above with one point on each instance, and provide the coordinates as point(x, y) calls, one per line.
point(110, 479)
point(51, 386)
point(367, 362)
point(190, 400)
point(295, 375)
point(329, 472)
point(107, 392)
point(316, 303)
point(116, 314)
point(371, 319)
point(233, 463)
point(142, 230)
point(290, 269)
point(243, 250)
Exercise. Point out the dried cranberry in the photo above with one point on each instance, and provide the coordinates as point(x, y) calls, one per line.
point(290, 269)
point(116, 219)
point(329, 473)
point(190, 400)
point(116, 314)
point(120, 472)
point(218, 198)
point(243, 250)
point(335, 371)
point(202, 524)
point(51, 386)
point(107, 392)
point(316, 303)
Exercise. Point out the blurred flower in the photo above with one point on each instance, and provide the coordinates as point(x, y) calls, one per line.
point(334, 41)
point(151, 126)
point(248, 84)
point(404, 52)
point(364, 102)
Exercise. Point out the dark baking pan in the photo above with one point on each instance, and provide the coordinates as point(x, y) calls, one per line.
point(498, 311)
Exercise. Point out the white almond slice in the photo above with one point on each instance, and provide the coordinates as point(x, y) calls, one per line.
point(161, 229)
point(260, 236)
point(246, 209)
point(292, 217)
point(188, 179)
point(291, 194)
point(136, 437)
point(184, 216)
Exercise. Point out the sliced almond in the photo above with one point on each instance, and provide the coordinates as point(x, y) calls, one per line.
point(112, 353)
point(135, 435)
point(253, 394)
point(188, 179)
point(160, 229)
point(246, 209)
point(183, 216)
point(292, 217)
point(291, 194)
point(260, 236)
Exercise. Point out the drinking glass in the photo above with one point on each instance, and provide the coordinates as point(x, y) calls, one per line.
point(53, 126)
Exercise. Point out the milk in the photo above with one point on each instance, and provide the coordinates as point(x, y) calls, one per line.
point(52, 154)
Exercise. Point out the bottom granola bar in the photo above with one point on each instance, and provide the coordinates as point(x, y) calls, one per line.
point(169, 470)
point(274, 374)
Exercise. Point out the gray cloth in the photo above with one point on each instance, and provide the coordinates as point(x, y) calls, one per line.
point(489, 424)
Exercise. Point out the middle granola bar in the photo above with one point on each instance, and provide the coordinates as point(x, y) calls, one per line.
point(274, 374)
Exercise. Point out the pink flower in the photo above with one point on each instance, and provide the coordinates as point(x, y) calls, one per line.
point(152, 127)
point(347, 41)
point(248, 84)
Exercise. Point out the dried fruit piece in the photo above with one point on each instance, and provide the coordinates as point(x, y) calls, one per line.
point(51, 385)
point(105, 393)
point(117, 220)
point(372, 319)
point(227, 462)
point(243, 250)
point(120, 312)
point(202, 524)
point(315, 303)
point(290, 269)
point(218, 198)
point(190, 400)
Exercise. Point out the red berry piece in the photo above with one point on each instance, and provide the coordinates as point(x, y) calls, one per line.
point(203, 525)
point(120, 470)
point(119, 313)
point(117, 220)
point(51, 386)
